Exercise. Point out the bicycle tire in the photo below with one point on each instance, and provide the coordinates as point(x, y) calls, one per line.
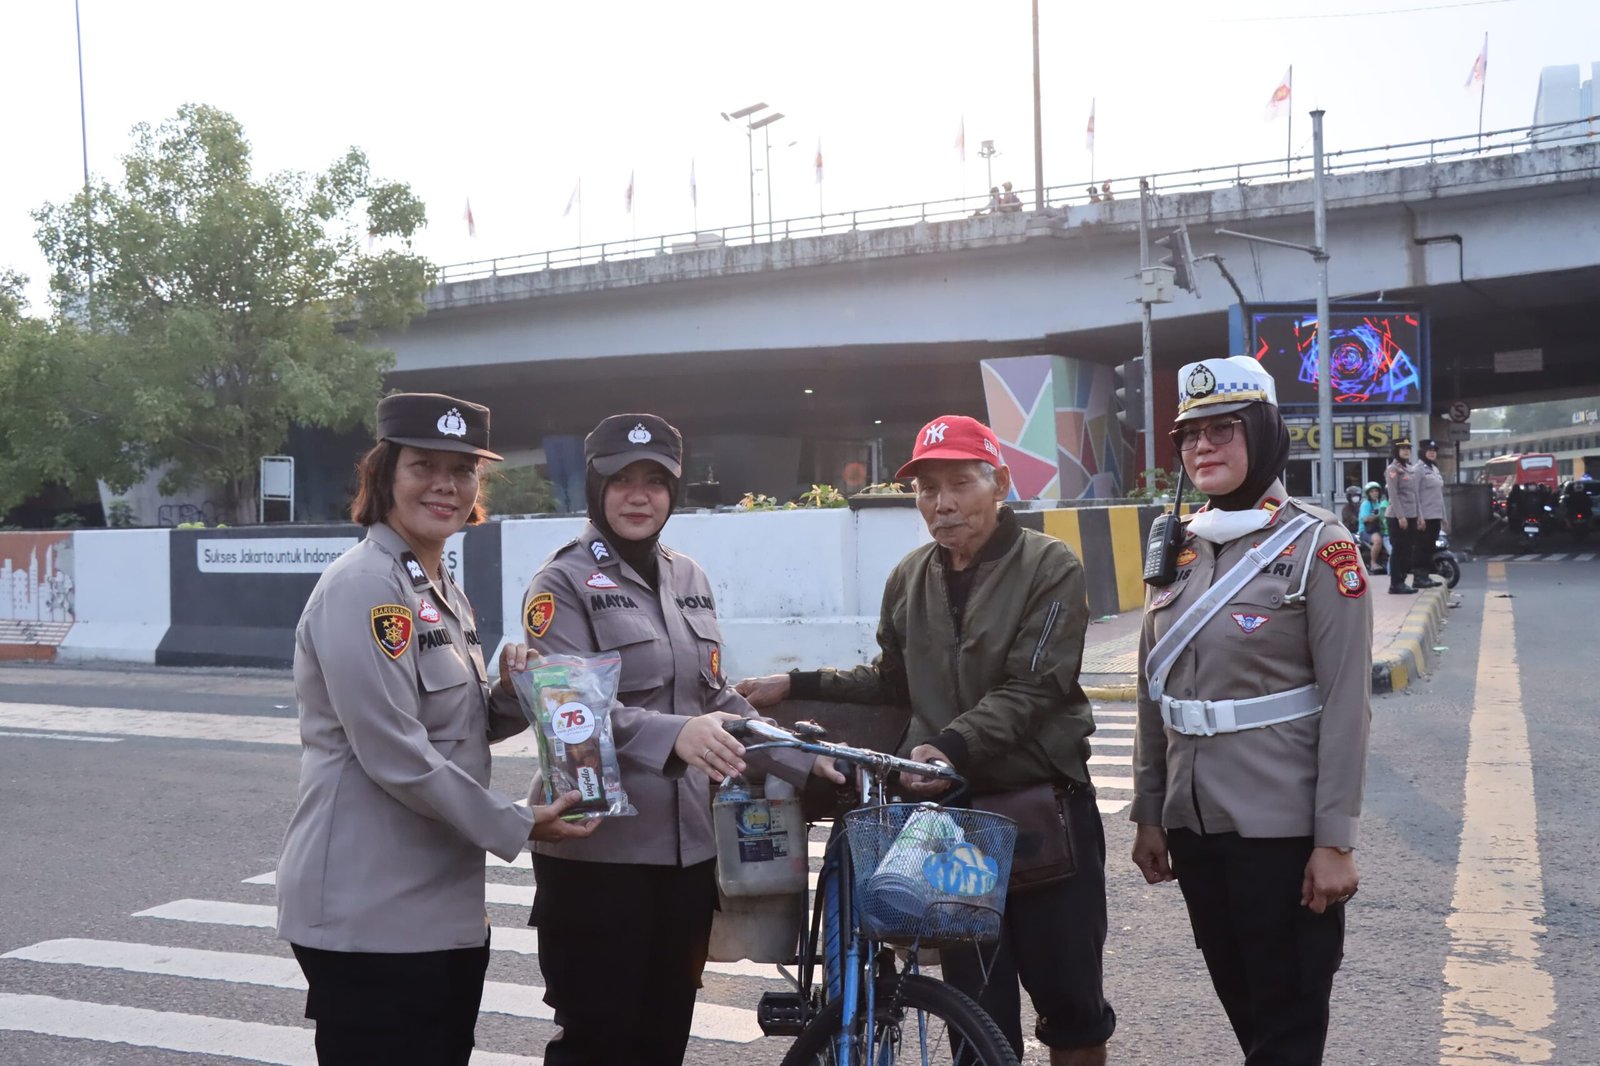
point(897, 999)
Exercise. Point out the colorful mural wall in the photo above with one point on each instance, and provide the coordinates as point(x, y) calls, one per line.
point(1057, 423)
point(36, 593)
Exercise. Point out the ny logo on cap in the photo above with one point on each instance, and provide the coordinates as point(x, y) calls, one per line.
point(935, 433)
point(451, 424)
point(638, 434)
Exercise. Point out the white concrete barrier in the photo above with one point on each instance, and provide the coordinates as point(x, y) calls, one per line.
point(123, 607)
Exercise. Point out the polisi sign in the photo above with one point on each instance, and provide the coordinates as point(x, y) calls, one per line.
point(1368, 436)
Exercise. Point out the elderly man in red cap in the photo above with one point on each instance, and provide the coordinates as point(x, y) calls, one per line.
point(981, 635)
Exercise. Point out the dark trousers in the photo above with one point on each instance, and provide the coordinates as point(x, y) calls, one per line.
point(1423, 540)
point(408, 1009)
point(621, 947)
point(1271, 960)
point(1052, 938)
point(1400, 550)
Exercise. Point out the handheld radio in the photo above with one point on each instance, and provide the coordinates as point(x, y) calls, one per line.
point(1166, 537)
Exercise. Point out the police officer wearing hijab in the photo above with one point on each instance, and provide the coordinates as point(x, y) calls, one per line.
point(381, 880)
point(624, 919)
point(1254, 671)
point(1402, 478)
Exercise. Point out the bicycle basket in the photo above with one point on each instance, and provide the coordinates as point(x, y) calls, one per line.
point(930, 874)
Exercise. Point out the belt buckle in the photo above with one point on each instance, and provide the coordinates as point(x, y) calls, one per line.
point(1198, 719)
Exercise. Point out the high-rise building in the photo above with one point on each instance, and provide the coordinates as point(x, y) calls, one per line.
point(1565, 104)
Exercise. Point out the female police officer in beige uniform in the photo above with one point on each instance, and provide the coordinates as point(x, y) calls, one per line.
point(1254, 671)
point(624, 918)
point(380, 885)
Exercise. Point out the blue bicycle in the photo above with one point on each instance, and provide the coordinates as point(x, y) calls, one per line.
point(895, 875)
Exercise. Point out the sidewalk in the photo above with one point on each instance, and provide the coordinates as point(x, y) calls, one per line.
point(1404, 634)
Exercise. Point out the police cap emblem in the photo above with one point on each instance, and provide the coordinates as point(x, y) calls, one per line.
point(639, 435)
point(1202, 382)
point(451, 424)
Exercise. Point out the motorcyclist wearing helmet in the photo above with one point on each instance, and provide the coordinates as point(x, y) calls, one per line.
point(1372, 518)
point(1351, 512)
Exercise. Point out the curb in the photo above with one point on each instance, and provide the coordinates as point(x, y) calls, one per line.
point(1410, 654)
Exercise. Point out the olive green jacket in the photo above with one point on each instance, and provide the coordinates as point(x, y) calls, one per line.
point(1006, 681)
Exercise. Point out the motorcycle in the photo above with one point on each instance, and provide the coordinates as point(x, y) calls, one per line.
point(1444, 561)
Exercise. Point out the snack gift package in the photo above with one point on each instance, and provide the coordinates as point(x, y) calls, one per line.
point(568, 701)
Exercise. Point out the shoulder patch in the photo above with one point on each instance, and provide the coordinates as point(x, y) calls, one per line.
point(1345, 560)
point(391, 628)
point(540, 613)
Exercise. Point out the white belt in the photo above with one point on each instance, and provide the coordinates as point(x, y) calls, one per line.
point(1204, 718)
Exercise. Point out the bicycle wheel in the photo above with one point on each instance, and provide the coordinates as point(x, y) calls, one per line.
point(919, 1020)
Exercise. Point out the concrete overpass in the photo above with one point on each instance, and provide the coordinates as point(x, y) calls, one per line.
point(846, 336)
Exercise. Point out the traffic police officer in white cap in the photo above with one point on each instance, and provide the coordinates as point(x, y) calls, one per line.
point(1255, 666)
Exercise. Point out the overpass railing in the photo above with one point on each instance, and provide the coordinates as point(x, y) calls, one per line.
point(1200, 179)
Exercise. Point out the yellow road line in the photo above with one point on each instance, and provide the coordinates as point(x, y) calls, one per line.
point(1498, 995)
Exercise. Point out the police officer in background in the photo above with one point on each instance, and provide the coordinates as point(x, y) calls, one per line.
point(624, 919)
point(1402, 480)
point(1430, 512)
point(1254, 670)
point(381, 880)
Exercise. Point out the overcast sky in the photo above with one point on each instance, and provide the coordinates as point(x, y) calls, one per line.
point(510, 104)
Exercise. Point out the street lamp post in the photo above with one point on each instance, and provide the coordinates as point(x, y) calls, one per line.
point(750, 149)
point(750, 126)
point(988, 151)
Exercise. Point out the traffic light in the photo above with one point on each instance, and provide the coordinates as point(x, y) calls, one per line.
point(1180, 259)
point(1129, 386)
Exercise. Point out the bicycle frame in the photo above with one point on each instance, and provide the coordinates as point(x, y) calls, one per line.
point(848, 958)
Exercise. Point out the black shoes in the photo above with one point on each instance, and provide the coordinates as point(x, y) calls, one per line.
point(1426, 583)
point(1402, 590)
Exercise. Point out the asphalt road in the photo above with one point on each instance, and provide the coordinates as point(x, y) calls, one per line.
point(135, 849)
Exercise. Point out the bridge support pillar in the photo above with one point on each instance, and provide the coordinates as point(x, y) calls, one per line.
point(1057, 423)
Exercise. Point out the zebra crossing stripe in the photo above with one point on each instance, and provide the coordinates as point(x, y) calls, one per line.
point(58, 736)
point(275, 1045)
point(1501, 558)
point(1586, 557)
point(1556, 558)
point(1110, 760)
point(711, 1021)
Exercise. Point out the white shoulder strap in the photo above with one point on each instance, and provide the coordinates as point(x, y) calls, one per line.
point(1172, 643)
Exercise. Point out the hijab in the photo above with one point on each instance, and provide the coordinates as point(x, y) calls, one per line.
point(642, 555)
point(1266, 441)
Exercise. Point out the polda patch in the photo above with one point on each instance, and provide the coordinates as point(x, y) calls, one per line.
point(392, 628)
point(540, 613)
point(1345, 560)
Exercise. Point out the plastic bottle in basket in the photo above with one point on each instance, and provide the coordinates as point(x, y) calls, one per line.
point(898, 883)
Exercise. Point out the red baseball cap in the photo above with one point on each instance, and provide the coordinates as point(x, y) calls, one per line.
point(954, 437)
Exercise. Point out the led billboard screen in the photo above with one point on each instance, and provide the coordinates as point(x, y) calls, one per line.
point(1378, 354)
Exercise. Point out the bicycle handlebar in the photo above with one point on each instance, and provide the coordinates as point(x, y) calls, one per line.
point(876, 761)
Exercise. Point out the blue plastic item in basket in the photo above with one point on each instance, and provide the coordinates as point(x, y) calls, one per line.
point(930, 874)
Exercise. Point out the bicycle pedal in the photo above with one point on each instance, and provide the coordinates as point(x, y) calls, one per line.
point(781, 1013)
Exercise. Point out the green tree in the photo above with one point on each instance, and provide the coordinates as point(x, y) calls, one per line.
point(1552, 414)
point(518, 490)
point(244, 304)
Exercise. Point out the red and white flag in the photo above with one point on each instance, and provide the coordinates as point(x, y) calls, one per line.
point(694, 190)
point(576, 199)
point(1480, 66)
point(627, 197)
point(472, 225)
point(819, 160)
point(1088, 131)
point(1282, 96)
point(961, 139)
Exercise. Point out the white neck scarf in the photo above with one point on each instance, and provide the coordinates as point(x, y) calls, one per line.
point(1220, 527)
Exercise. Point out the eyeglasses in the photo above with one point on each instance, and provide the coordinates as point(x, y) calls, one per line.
point(1218, 433)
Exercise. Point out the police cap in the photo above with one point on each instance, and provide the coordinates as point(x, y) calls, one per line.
point(432, 420)
point(623, 439)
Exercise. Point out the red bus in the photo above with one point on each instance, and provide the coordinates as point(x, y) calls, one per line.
point(1534, 468)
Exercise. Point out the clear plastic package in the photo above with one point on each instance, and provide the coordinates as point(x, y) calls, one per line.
point(568, 701)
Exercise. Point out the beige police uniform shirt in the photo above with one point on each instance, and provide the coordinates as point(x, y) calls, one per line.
point(1404, 482)
point(384, 852)
point(1297, 778)
point(585, 600)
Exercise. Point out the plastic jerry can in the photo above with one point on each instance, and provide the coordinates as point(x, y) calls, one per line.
point(761, 839)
